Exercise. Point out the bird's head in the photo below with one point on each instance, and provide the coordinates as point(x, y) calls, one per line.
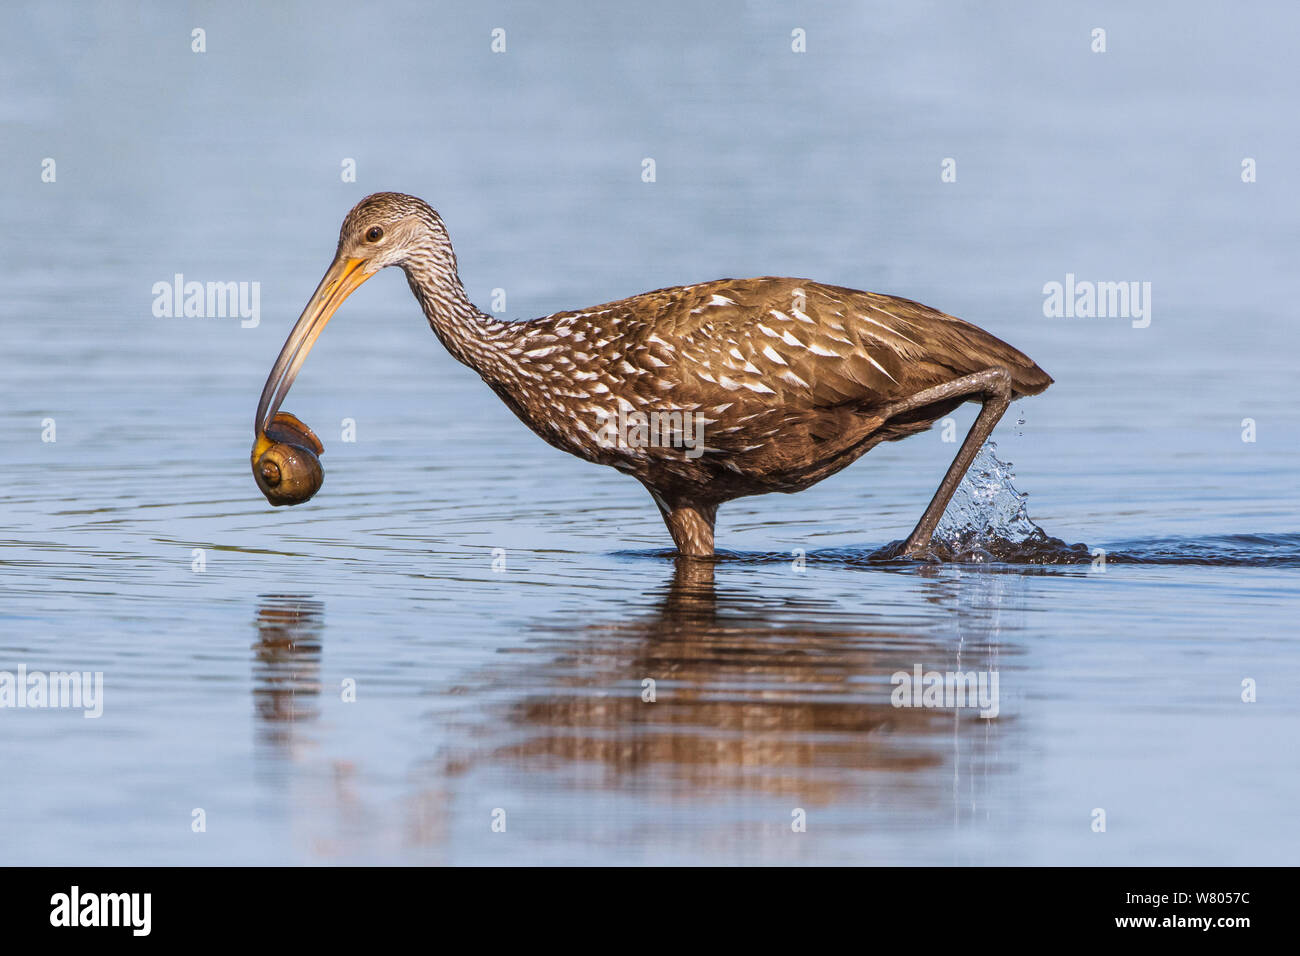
point(389, 229)
point(385, 229)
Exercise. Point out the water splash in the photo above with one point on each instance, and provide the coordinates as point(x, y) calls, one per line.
point(986, 508)
point(988, 520)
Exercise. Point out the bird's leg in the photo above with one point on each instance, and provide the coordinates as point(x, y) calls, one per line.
point(691, 527)
point(995, 385)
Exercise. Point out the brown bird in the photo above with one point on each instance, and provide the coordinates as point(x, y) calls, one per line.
point(703, 393)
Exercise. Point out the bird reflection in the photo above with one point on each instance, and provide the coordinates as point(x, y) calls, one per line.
point(287, 664)
point(701, 695)
point(734, 691)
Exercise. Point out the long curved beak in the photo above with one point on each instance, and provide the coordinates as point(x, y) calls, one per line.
point(340, 281)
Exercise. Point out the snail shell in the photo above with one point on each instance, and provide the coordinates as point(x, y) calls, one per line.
point(288, 470)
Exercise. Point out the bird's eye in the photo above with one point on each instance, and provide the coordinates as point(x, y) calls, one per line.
point(374, 234)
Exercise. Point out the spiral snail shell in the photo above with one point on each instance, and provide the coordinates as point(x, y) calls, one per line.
point(285, 461)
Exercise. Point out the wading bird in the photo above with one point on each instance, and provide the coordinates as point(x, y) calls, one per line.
point(785, 381)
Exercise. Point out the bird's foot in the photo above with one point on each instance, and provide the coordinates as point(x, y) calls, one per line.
point(905, 550)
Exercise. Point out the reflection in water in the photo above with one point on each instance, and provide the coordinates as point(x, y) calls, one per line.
point(698, 695)
point(328, 809)
point(772, 698)
point(287, 664)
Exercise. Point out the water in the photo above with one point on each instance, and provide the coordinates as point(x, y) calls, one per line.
point(498, 606)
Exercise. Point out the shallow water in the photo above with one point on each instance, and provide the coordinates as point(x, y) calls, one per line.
point(497, 605)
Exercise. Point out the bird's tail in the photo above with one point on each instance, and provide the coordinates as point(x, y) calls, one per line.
point(1028, 379)
point(970, 349)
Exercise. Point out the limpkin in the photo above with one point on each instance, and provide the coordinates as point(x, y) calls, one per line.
point(787, 380)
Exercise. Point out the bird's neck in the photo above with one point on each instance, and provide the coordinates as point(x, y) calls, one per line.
point(472, 337)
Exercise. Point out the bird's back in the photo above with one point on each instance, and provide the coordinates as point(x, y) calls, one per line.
point(779, 370)
point(796, 340)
